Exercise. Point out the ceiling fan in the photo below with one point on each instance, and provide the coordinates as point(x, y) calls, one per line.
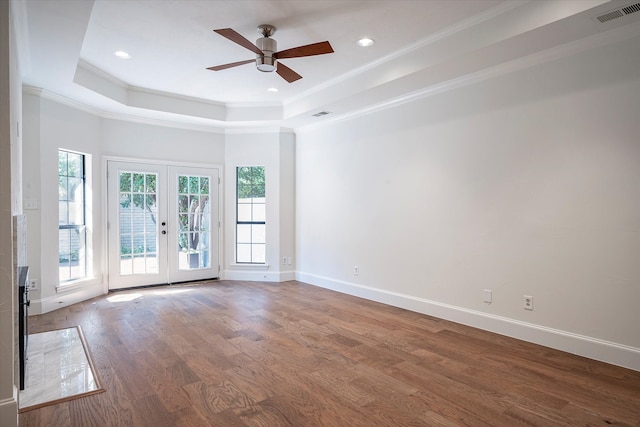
point(267, 58)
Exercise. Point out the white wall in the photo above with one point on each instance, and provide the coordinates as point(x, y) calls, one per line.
point(286, 207)
point(143, 141)
point(523, 184)
point(50, 126)
point(10, 204)
point(275, 151)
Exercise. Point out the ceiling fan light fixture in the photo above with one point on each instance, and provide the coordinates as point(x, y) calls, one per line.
point(365, 42)
point(266, 64)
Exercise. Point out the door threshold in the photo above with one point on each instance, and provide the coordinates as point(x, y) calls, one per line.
point(157, 285)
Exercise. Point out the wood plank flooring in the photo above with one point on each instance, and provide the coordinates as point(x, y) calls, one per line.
point(231, 353)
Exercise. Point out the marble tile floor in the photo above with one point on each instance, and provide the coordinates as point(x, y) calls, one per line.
point(57, 369)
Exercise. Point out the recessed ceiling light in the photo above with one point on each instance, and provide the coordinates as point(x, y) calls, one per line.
point(272, 89)
point(122, 54)
point(365, 42)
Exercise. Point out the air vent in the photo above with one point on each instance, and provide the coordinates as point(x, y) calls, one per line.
point(631, 9)
point(619, 13)
point(609, 16)
point(321, 113)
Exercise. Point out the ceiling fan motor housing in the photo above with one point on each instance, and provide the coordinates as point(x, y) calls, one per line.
point(266, 62)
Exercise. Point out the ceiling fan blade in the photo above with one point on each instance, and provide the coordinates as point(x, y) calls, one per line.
point(308, 50)
point(230, 65)
point(287, 73)
point(235, 37)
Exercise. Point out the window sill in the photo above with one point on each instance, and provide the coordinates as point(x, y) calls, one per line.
point(249, 266)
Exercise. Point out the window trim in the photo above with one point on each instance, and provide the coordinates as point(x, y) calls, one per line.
point(237, 223)
point(84, 226)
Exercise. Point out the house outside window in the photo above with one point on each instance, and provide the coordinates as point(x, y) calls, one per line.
point(250, 215)
point(72, 227)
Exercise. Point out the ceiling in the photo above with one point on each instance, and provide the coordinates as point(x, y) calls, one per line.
point(66, 52)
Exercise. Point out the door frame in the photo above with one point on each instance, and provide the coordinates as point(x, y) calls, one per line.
point(167, 163)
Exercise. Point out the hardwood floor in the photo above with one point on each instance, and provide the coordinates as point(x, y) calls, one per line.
point(233, 353)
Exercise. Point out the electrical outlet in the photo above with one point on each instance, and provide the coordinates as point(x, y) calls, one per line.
point(30, 204)
point(487, 296)
point(284, 260)
point(528, 302)
point(33, 284)
point(356, 270)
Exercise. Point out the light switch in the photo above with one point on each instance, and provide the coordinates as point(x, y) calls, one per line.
point(487, 296)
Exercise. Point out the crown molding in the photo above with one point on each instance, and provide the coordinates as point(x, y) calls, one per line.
point(174, 124)
point(60, 99)
point(259, 130)
point(214, 127)
point(571, 48)
point(82, 64)
point(176, 96)
point(76, 105)
point(227, 114)
point(410, 49)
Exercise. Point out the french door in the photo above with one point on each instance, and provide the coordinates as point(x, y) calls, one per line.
point(163, 224)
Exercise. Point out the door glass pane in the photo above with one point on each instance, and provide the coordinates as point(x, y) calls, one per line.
point(194, 222)
point(138, 223)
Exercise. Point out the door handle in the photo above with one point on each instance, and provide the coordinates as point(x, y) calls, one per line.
point(164, 231)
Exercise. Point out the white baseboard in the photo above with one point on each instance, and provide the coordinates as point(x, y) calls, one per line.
point(9, 411)
point(63, 299)
point(593, 348)
point(259, 276)
point(285, 276)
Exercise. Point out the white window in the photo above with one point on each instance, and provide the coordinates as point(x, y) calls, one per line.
point(250, 215)
point(72, 227)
